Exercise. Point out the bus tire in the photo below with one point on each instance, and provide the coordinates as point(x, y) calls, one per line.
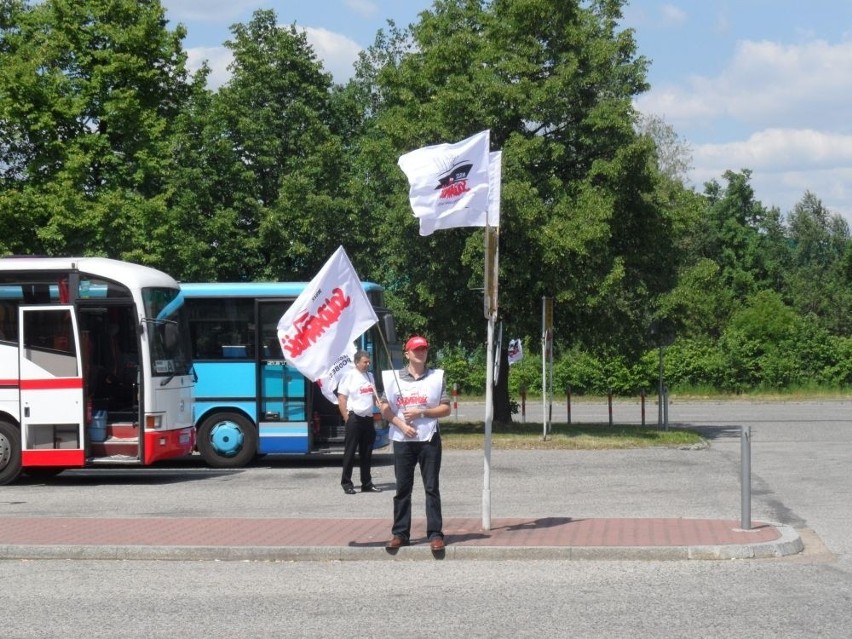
point(10, 452)
point(227, 440)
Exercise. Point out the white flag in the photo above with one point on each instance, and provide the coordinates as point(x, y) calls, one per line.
point(516, 351)
point(326, 318)
point(330, 380)
point(449, 183)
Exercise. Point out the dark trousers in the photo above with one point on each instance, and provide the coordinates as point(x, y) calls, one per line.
point(360, 436)
point(407, 455)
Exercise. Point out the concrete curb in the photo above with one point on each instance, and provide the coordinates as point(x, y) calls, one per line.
point(788, 543)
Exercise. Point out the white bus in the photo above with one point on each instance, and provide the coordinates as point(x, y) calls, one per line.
point(94, 366)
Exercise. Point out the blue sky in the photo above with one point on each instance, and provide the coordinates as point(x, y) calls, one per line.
point(758, 84)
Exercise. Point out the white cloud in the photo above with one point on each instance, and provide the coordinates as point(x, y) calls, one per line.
point(672, 16)
point(218, 59)
point(723, 22)
point(780, 111)
point(663, 16)
point(765, 83)
point(784, 164)
point(362, 7)
point(774, 150)
point(337, 52)
point(786, 189)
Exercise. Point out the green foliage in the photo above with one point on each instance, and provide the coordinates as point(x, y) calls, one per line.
point(88, 91)
point(463, 367)
point(108, 146)
point(692, 363)
point(526, 374)
point(554, 82)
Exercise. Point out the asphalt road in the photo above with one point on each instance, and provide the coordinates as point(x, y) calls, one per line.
point(801, 454)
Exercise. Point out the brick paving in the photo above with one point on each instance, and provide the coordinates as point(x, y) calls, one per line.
point(519, 532)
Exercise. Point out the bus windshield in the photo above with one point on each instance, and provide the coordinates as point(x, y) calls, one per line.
point(165, 316)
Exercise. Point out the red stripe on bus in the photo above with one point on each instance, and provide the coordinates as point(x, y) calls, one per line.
point(65, 458)
point(8, 383)
point(51, 384)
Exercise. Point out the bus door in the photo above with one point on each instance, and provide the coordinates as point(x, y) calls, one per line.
point(282, 418)
point(51, 387)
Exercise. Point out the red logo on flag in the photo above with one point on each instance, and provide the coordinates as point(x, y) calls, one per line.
point(309, 328)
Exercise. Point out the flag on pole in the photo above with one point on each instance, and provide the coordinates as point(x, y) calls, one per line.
point(516, 351)
point(325, 319)
point(331, 379)
point(449, 183)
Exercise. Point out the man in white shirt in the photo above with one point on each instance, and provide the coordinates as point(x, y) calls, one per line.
point(415, 398)
point(356, 399)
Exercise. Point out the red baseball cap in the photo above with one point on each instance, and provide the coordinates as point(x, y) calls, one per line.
point(416, 342)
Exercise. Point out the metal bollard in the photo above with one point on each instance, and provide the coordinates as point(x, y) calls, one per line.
point(523, 404)
point(642, 404)
point(745, 476)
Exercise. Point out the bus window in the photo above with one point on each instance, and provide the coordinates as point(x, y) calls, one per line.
point(165, 317)
point(49, 342)
point(8, 322)
point(222, 329)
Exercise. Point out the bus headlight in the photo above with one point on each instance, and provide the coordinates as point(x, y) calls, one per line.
point(153, 422)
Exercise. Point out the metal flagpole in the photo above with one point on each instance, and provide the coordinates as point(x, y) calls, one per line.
point(491, 256)
point(492, 237)
point(546, 347)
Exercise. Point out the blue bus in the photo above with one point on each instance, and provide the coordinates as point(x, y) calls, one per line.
point(248, 401)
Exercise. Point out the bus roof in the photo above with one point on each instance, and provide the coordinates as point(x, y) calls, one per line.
point(253, 289)
point(124, 272)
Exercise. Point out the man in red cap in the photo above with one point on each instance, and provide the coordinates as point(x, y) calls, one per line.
point(415, 397)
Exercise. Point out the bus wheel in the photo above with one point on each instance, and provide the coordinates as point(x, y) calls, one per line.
point(227, 440)
point(10, 452)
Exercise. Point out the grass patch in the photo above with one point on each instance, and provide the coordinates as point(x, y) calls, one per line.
point(528, 436)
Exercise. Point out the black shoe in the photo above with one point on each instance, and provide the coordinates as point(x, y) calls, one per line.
point(370, 489)
point(349, 490)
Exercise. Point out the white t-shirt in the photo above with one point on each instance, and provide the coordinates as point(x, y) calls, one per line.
point(358, 388)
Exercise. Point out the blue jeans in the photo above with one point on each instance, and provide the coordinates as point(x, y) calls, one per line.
point(407, 455)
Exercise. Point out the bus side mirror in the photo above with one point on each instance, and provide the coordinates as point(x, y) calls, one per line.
point(389, 327)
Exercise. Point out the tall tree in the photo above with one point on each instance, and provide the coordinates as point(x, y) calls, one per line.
point(816, 281)
point(735, 234)
point(674, 156)
point(287, 209)
point(88, 89)
point(554, 82)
